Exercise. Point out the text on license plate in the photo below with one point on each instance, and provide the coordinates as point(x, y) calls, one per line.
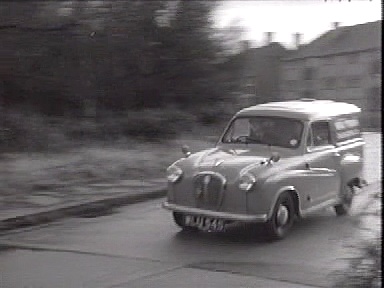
point(205, 223)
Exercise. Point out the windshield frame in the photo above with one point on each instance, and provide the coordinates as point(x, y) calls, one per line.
point(228, 129)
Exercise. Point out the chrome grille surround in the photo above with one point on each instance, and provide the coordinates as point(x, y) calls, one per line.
point(209, 189)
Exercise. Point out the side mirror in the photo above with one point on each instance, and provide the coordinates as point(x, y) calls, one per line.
point(186, 151)
point(275, 157)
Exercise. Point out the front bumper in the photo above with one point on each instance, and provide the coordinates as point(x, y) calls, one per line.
point(258, 218)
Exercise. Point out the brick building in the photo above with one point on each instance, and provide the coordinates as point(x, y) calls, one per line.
point(343, 64)
point(254, 73)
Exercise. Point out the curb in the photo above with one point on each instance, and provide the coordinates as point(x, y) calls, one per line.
point(97, 207)
point(86, 209)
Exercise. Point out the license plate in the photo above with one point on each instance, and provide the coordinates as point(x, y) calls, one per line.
point(205, 223)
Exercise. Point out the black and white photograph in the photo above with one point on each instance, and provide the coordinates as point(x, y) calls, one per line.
point(190, 144)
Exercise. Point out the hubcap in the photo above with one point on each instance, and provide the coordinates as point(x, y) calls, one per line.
point(282, 215)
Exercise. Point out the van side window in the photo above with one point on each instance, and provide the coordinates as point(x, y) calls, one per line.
point(347, 128)
point(319, 134)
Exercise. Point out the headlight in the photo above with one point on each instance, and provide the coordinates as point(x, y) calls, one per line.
point(246, 181)
point(174, 173)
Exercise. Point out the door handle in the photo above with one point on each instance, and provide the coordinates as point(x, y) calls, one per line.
point(307, 166)
point(336, 154)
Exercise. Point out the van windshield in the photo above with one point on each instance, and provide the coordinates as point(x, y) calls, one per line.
point(266, 130)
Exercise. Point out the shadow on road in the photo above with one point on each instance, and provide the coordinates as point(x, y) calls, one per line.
point(256, 234)
point(234, 234)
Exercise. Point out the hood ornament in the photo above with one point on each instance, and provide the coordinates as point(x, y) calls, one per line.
point(218, 162)
point(186, 151)
point(275, 157)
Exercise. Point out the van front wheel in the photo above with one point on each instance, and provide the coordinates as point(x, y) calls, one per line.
point(282, 218)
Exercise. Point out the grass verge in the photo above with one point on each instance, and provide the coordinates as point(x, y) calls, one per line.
point(364, 269)
point(24, 173)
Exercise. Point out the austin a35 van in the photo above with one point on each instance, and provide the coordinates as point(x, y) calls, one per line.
point(274, 163)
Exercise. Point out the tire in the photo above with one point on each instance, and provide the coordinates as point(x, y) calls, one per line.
point(179, 219)
point(344, 207)
point(282, 218)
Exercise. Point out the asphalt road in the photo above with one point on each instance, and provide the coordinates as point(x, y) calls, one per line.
point(139, 246)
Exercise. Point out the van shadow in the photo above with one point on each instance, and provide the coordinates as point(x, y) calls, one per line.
point(233, 234)
point(243, 234)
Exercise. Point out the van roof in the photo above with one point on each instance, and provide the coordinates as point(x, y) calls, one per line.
point(306, 109)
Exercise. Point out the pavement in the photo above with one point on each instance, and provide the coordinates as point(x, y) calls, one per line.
point(96, 199)
point(99, 198)
point(93, 199)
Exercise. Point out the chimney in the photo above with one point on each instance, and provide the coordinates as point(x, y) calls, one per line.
point(297, 39)
point(335, 25)
point(268, 37)
point(245, 45)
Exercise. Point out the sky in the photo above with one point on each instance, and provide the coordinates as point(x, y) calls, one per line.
point(311, 18)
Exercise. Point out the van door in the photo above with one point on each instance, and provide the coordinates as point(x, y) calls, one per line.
point(322, 161)
point(350, 147)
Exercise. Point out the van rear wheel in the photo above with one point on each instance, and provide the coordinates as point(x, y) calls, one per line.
point(346, 196)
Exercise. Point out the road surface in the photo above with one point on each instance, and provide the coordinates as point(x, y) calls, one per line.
point(139, 246)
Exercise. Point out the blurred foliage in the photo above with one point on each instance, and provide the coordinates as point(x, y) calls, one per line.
point(76, 57)
point(108, 69)
point(148, 124)
point(29, 132)
point(232, 38)
point(34, 132)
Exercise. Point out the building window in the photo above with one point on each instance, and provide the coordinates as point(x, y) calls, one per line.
point(353, 81)
point(343, 82)
point(375, 68)
point(282, 84)
point(329, 61)
point(309, 73)
point(374, 99)
point(249, 85)
point(289, 85)
point(353, 58)
point(307, 94)
point(330, 83)
point(250, 89)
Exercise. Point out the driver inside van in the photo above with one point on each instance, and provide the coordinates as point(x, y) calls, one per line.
point(256, 130)
point(273, 132)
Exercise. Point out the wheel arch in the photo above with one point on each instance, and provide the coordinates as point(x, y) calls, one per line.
point(356, 182)
point(292, 191)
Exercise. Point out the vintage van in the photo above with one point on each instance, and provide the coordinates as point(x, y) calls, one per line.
point(274, 163)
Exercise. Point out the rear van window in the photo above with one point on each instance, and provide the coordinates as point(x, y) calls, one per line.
point(347, 128)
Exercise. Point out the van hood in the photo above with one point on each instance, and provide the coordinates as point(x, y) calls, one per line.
point(229, 162)
point(228, 157)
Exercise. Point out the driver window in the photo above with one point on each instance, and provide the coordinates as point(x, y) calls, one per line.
point(319, 134)
point(240, 127)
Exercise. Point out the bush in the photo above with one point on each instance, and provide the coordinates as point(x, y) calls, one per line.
point(157, 124)
point(82, 129)
point(147, 125)
point(32, 132)
point(215, 113)
point(29, 131)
